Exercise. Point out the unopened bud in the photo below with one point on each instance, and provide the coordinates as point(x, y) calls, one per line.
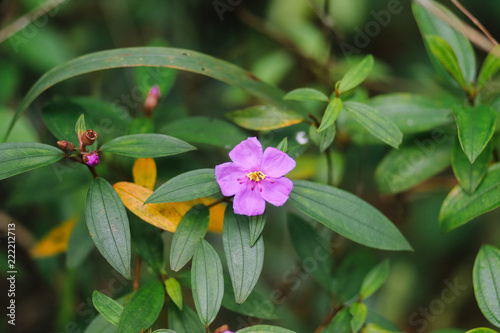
point(223, 329)
point(66, 146)
point(89, 137)
point(91, 159)
point(151, 100)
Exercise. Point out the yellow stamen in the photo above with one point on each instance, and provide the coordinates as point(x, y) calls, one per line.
point(256, 176)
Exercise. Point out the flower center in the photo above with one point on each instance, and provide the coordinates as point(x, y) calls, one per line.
point(256, 176)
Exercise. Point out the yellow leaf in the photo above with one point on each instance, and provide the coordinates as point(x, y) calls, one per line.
point(144, 172)
point(55, 242)
point(165, 216)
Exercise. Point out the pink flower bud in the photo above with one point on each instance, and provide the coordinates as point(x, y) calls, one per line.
point(151, 100)
point(91, 159)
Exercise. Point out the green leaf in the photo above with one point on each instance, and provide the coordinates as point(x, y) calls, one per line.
point(350, 274)
point(490, 67)
point(324, 139)
point(410, 165)
point(347, 215)
point(356, 75)
point(332, 112)
point(143, 308)
point(79, 244)
point(459, 208)
point(244, 261)
point(475, 128)
point(374, 328)
point(108, 307)
point(375, 122)
point(264, 329)
point(189, 233)
point(19, 157)
point(185, 321)
point(446, 56)
point(207, 281)
point(205, 130)
point(264, 117)
point(470, 175)
point(481, 330)
point(187, 186)
point(341, 323)
point(146, 145)
point(258, 304)
point(374, 279)
point(141, 126)
point(163, 331)
point(108, 225)
point(174, 291)
point(312, 250)
point(413, 113)
point(430, 24)
point(283, 145)
point(80, 127)
point(256, 224)
point(306, 94)
point(154, 57)
point(358, 312)
point(486, 279)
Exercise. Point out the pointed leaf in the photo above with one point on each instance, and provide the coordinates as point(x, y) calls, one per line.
point(144, 172)
point(475, 128)
point(108, 225)
point(154, 57)
point(306, 94)
point(80, 127)
point(187, 186)
point(19, 157)
point(332, 112)
point(374, 279)
point(244, 261)
point(189, 233)
point(264, 329)
point(323, 139)
point(358, 312)
point(481, 330)
point(256, 224)
point(185, 321)
point(146, 145)
point(430, 24)
point(55, 242)
point(341, 323)
point(207, 281)
point(347, 215)
point(470, 175)
point(491, 65)
point(143, 308)
point(356, 75)
point(350, 274)
point(264, 117)
point(174, 291)
point(410, 165)
point(486, 278)
point(459, 208)
point(312, 250)
point(446, 56)
point(375, 122)
point(283, 145)
point(107, 307)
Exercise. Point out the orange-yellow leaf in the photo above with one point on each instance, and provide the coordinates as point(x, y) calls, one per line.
point(144, 172)
point(163, 215)
point(55, 242)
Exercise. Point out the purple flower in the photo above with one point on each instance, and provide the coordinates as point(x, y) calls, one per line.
point(254, 177)
point(91, 159)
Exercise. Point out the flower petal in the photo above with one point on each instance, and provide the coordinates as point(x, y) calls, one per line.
point(276, 191)
point(247, 154)
point(227, 175)
point(249, 202)
point(276, 163)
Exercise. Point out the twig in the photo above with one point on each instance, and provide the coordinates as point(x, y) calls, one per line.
point(328, 318)
point(137, 274)
point(475, 21)
point(23, 21)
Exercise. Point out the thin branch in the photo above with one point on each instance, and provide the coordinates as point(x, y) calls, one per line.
point(137, 274)
point(24, 20)
point(475, 21)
